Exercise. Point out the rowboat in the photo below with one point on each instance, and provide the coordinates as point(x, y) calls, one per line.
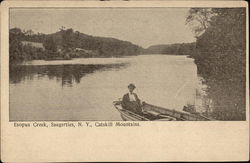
point(155, 113)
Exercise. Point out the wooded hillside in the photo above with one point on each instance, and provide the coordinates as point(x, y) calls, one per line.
point(63, 44)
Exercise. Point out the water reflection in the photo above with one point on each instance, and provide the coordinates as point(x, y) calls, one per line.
point(67, 75)
point(88, 89)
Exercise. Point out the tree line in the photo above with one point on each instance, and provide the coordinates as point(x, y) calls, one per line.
point(220, 55)
point(63, 44)
point(173, 49)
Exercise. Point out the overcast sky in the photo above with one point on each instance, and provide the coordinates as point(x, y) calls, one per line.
point(141, 26)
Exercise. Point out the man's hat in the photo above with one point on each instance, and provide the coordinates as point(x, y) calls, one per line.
point(131, 85)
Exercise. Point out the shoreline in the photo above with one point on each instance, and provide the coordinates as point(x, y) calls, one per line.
point(24, 62)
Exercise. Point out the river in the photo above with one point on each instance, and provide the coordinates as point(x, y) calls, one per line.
point(84, 88)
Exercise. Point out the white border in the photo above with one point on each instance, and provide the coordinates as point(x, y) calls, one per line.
point(153, 141)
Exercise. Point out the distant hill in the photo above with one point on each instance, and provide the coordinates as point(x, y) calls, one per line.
point(105, 45)
point(157, 48)
point(64, 43)
point(173, 49)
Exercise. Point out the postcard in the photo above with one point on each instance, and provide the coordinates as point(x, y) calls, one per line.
point(124, 81)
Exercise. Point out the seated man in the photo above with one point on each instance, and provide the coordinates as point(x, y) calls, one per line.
point(130, 101)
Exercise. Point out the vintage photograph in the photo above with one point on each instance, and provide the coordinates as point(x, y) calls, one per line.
point(127, 64)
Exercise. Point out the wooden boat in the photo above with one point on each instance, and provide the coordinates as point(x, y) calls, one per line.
point(156, 113)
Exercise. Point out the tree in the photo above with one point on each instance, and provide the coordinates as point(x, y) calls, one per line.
point(50, 45)
point(62, 28)
point(29, 32)
point(199, 19)
point(67, 39)
point(16, 31)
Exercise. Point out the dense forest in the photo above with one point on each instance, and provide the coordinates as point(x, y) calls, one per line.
point(65, 44)
point(220, 56)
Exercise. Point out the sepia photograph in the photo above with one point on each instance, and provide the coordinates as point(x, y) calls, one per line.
point(135, 64)
point(114, 81)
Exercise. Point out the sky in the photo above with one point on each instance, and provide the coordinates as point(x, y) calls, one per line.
point(141, 26)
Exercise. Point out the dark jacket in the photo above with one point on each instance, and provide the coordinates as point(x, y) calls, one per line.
point(125, 100)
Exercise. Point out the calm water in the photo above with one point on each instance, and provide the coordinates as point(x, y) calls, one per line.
point(84, 89)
